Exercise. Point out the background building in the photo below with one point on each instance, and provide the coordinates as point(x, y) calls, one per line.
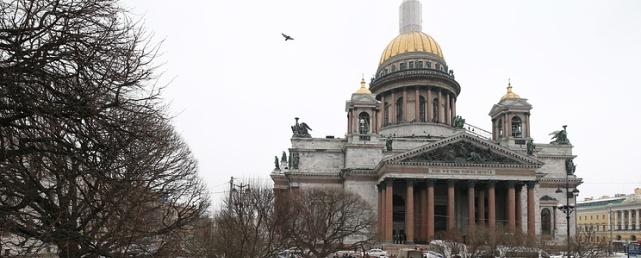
point(616, 219)
point(422, 168)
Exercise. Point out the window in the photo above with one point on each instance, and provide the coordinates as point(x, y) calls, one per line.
point(435, 110)
point(411, 65)
point(517, 129)
point(363, 123)
point(499, 127)
point(428, 64)
point(399, 110)
point(403, 66)
point(421, 108)
point(419, 64)
point(546, 222)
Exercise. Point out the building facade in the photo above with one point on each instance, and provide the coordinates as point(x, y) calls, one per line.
point(616, 219)
point(420, 166)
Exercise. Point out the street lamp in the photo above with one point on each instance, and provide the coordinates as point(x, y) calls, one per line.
point(567, 208)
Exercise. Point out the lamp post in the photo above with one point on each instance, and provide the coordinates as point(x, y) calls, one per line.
point(567, 208)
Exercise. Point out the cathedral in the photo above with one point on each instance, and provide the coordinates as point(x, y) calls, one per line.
point(423, 169)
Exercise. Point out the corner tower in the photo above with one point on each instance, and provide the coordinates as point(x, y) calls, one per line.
point(511, 119)
point(416, 89)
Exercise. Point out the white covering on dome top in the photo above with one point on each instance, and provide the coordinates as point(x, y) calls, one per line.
point(410, 17)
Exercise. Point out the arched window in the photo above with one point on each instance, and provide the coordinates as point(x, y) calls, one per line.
point(435, 116)
point(399, 110)
point(633, 238)
point(499, 127)
point(386, 114)
point(421, 108)
point(546, 222)
point(363, 123)
point(517, 128)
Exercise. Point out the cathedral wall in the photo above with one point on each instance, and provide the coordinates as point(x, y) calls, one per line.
point(553, 149)
point(553, 167)
point(318, 143)
point(365, 189)
point(321, 162)
point(362, 157)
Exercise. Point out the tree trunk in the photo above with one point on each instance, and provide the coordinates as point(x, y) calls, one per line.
point(68, 249)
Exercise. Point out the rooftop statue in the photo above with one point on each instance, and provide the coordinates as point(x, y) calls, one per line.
point(458, 122)
point(276, 165)
point(301, 130)
point(530, 147)
point(570, 167)
point(560, 137)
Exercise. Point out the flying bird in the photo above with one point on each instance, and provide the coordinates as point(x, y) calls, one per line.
point(287, 37)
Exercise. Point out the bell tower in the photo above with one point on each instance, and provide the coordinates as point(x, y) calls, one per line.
point(511, 119)
point(362, 112)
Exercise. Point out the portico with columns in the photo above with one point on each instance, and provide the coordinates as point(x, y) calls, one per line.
point(421, 192)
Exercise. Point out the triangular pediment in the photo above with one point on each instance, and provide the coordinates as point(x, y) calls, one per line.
point(464, 149)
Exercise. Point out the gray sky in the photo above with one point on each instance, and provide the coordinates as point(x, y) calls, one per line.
point(236, 85)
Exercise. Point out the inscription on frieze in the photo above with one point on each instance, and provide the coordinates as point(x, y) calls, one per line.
point(461, 171)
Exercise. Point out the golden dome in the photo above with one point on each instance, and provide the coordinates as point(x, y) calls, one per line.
point(510, 94)
point(414, 41)
point(363, 89)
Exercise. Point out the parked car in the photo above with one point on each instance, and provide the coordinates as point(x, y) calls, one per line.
point(376, 252)
point(432, 254)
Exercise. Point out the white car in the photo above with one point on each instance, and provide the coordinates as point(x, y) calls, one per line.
point(431, 254)
point(376, 252)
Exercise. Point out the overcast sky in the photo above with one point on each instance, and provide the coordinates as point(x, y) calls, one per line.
point(236, 86)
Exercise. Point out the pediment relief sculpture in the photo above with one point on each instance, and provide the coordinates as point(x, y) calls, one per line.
point(462, 152)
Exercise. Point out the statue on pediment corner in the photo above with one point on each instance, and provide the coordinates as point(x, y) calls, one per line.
point(458, 122)
point(301, 130)
point(560, 137)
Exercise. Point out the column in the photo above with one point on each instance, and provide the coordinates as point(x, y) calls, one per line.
point(430, 210)
point(448, 115)
point(441, 107)
point(429, 104)
point(638, 219)
point(409, 212)
point(389, 202)
point(614, 220)
point(519, 211)
point(471, 217)
point(531, 224)
point(417, 105)
point(453, 106)
point(393, 109)
point(354, 122)
point(349, 122)
point(491, 205)
point(451, 217)
point(404, 115)
point(422, 232)
point(511, 207)
point(375, 122)
point(482, 207)
point(379, 189)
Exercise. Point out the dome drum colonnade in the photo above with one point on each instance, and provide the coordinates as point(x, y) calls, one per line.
point(421, 89)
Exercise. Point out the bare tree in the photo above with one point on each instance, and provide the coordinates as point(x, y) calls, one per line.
point(88, 160)
point(322, 220)
point(250, 226)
